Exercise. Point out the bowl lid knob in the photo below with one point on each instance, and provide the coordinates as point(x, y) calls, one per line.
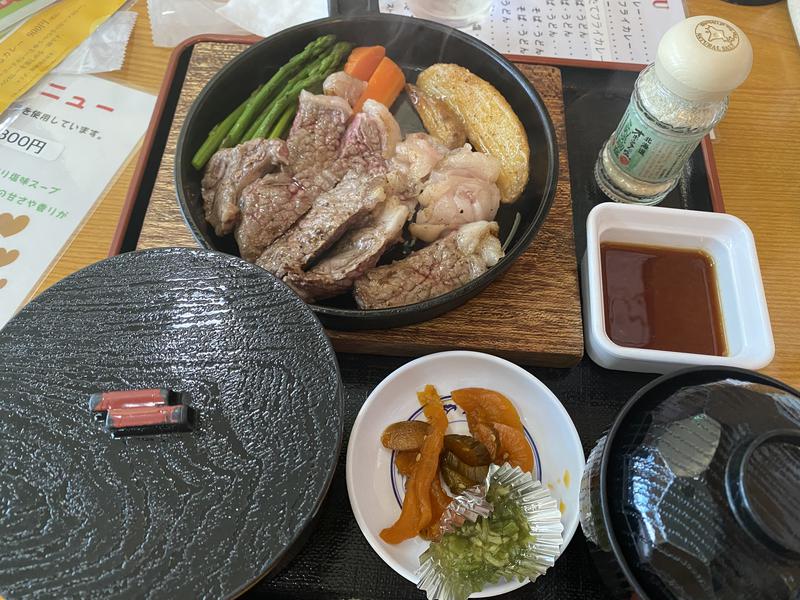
point(762, 482)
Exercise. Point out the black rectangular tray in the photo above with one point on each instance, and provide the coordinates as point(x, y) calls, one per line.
point(337, 562)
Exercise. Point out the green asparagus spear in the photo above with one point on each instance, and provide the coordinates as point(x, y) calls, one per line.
point(282, 126)
point(301, 76)
point(289, 96)
point(216, 134)
point(258, 102)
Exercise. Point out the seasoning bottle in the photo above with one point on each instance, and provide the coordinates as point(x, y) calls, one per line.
point(676, 101)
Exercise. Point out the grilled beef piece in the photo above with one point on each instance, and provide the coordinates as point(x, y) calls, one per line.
point(332, 214)
point(315, 140)
point(269, 208)
point(356, 252)
point(369, 141)
point(271, 205)
point(229, 171)
point(432, 271)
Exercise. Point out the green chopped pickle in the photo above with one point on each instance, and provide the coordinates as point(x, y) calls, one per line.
point(480, 553)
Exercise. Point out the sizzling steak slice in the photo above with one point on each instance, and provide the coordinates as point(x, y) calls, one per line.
point(271, 205)
point(332, 214)
point(229, 171)
point(356, 252)
point(269, 209)
point(315, 140)
point(432, 271)
point(370, 140)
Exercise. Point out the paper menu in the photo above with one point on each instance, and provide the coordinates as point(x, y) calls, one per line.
point(602, 30)
point(70, 138)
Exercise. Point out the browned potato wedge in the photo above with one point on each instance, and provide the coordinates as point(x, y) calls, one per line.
point(491, 124)
point(437, 117)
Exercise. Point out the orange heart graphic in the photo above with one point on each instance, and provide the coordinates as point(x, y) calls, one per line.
point(8, 256)
point(9, 225)
point(3, 283)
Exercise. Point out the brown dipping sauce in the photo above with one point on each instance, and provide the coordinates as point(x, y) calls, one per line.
point(661, 298)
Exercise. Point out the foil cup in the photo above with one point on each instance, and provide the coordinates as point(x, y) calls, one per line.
point(544, 520)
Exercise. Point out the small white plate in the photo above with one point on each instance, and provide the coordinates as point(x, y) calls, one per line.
point(376, 489)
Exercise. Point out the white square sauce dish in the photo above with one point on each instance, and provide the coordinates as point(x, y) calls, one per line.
point(642, 287)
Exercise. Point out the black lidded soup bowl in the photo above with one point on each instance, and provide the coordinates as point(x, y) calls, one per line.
point(414, 45)
point(694, 493)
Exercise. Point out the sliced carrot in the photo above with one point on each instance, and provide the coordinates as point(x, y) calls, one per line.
point(363, 61)
point(384, 86)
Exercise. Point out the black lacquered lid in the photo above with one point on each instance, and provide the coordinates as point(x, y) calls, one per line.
point(190, 514)
point(702, 493)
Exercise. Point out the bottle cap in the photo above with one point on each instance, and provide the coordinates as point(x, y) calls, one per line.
point(703, 58)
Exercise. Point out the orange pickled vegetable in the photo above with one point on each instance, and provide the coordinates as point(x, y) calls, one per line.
point(417, 508)
point(405, 460)
point(489, 406)
point(494, 422)
point(513, 448)
point(432, 407)
point(486, 435)
point(384, 86)
point(363, 61)
point(439, 502)
point(434, 411)
point(416, 511)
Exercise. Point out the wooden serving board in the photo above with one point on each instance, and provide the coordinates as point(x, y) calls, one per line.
point(531, 314)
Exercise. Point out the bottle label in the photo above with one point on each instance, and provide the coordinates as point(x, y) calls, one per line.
point(648, 153)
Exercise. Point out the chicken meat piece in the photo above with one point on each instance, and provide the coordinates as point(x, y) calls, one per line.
point(460, 190)
point(464, 161)
point(229, 171)
point(451, 202)
point(356, 252)
point(432, 271)
point(345, 86)
point(315, 141)
point(419, 153)
point(269, 207)
point(331, 215)
point(414, 159)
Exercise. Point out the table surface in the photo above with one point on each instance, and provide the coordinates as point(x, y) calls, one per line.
point(756, 153)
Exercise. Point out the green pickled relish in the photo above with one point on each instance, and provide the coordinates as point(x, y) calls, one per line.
point(477, 554)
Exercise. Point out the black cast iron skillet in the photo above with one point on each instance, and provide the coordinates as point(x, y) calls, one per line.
point(413, 44)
